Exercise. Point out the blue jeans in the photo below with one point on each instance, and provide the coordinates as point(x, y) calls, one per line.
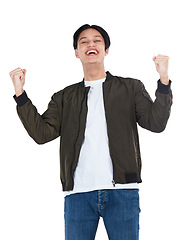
point(119, 209)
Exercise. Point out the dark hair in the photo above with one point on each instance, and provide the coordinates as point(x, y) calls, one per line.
point(99, 29)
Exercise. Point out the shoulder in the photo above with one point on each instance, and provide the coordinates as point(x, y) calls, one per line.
point(129, 82)
point(127, 79)
point(67, 91)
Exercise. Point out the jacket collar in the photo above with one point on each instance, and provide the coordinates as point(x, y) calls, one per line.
point(108, 77)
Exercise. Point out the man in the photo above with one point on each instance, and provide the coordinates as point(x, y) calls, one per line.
point(100, 163)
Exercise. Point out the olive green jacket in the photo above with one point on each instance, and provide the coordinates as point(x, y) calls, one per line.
point(126, 103)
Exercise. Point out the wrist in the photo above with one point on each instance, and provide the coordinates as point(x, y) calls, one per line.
point(22, 99)
point(19, 92)
point(164, 79)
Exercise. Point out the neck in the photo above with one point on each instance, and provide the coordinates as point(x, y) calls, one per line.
point(93, 72)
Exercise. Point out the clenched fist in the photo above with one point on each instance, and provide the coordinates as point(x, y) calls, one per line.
point(161, 63)
point(18, 78)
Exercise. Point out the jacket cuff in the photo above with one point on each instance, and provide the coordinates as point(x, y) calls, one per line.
point(22, 99)
point(162, 88)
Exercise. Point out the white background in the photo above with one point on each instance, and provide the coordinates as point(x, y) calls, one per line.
point(37, 35)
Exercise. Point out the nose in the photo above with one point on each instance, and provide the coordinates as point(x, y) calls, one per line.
point(91, 44)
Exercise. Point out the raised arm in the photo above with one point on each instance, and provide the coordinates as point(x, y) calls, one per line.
point(42, 128)
point(154, 115)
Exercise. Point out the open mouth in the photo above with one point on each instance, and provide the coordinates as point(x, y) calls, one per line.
point(92, 52)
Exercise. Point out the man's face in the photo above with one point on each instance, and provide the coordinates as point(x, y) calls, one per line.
point(91, 47)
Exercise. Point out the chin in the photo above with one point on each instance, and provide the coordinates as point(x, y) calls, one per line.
point(95, 61)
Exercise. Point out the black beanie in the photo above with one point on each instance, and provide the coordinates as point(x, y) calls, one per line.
point(99, 29)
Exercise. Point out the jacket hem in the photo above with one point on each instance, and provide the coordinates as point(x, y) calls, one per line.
point(129, 178)
point(133, 177)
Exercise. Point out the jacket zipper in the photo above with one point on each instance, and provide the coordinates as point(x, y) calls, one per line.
point(73, 168)
point(113, 182)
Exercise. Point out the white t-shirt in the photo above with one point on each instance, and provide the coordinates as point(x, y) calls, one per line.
point(94, 170)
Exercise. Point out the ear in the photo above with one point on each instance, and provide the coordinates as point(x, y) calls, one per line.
point(76, 53)
point(107, 51)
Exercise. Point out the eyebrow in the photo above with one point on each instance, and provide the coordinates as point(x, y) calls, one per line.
point(86, 37)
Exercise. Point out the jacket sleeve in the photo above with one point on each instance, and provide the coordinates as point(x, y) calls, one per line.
point(151, 115)
point(42, 128)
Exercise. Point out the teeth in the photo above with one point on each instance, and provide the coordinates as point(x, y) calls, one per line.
point(91, 51)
